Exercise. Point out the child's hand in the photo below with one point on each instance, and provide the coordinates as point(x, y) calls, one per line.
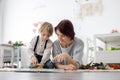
point(34, 60)
point(40, 65)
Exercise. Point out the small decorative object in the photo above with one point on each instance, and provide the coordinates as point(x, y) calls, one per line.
point(16, 43)
point(36, 26)
point(87, 66)
point(88, 7)
point(114, 65)
point(114, 31)
point(113, 48)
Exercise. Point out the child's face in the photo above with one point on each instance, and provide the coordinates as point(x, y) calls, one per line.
point(45, 35)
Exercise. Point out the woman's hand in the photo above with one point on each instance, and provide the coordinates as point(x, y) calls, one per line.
point(70, 67)
point(66, 67)
point(71, 64)
point(60, 57)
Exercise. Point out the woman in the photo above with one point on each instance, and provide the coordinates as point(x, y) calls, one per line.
point(68, 49)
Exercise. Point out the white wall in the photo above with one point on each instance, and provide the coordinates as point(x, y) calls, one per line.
point(17, 20)
point(19, 16)
point(1, 19)
point(105, 22)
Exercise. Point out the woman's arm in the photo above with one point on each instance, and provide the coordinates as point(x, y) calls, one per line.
point(71, 64)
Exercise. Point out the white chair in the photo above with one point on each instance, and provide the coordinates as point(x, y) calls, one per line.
point(90, 50)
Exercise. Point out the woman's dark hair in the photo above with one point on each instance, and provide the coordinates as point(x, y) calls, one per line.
point(66, 28)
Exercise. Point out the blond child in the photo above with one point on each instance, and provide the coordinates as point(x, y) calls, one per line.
point(40, 47)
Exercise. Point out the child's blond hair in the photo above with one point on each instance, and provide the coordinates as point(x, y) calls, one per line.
point(46, 26)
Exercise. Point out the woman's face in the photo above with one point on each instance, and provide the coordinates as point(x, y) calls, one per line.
point(63, 39)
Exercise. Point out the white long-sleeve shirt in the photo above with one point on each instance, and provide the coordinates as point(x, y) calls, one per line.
point(40, 48)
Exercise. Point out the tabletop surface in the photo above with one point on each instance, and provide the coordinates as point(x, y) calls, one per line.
point(54, 74)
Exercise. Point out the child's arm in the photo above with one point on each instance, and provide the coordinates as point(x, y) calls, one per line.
point(47, 51)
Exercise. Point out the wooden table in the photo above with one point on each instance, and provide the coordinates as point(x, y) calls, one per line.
point(60, 75)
